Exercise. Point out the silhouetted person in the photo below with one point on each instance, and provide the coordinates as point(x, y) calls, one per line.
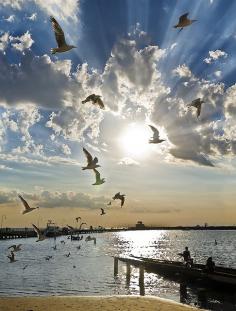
point(210, 265)
point(187, 257)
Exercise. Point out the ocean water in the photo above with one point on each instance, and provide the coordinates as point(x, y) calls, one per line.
point(89, 270)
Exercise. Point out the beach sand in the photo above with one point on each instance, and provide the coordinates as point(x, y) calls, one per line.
point(94, 303)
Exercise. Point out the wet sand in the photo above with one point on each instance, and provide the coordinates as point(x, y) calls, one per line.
point(94, 303)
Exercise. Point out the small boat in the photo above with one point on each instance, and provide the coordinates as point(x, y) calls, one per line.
point(179, 271)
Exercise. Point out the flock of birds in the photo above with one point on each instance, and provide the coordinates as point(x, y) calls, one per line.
point(92, 162)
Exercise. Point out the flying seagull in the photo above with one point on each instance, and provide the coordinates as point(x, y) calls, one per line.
point(16, 248)
point(40, 236)
point(92, 163)
point(156, 137)
point(26, 205)
point(99, 181)
point(120, 197)
point(197, 103)
point(67, 255)
point(109, 203)
point(60, 38)
point(102, 212)
point(24, 267)
point(184, 21)
point(48, 258)
point(12, 257)
point(83, 223)
point(89, 238)
point(95, 99)
point(77, 219)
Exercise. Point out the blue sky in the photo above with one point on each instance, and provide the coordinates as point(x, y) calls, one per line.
point(147, 72)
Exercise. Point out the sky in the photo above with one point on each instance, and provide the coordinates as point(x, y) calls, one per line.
point(146, 72)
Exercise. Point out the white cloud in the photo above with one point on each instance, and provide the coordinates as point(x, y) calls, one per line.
point(10, 19)
point(218, 73)
point(4, 40)
point(214, 55)
point(128, 162)
point(59, 8)
point(23, 42)
point(183, 71)
point(32, 17)
point(65, 149)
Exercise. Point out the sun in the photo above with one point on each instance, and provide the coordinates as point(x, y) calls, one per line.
point(134, 140)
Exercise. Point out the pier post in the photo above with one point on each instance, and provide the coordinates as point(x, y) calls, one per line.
point(141, 281)
point(128, 272)
point(115, 266)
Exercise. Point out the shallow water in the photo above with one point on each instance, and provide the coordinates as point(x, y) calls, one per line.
point(93, 271)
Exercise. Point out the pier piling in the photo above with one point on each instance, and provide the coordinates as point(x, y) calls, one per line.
point(115, 266)
point(141, 281)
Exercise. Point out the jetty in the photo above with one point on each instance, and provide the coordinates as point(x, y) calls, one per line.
point(177, 271)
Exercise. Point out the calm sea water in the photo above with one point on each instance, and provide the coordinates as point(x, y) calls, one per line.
point(89, 270)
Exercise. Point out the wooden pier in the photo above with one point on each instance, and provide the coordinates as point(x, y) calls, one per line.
point(129, 263)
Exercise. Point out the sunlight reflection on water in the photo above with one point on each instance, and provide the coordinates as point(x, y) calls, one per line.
point(92, 273)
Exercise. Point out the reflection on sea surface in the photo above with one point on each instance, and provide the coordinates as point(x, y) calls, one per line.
point(89, 270)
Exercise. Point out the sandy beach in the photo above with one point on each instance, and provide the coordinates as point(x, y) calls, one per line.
point(94, 303)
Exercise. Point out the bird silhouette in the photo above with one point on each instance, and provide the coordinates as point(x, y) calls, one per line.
point(40, 236)
point(91, 163)
point(197, 103)
point(99, 180)
point(11, 257)
point(16, 248)
point(95, 99)
point(184, 21)
point(60, 38)
point(26, 206)
point(77, 219)
point(102, 212)
point(120, 197)
point(156, 137)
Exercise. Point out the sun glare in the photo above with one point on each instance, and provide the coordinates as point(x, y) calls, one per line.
point(134, 140)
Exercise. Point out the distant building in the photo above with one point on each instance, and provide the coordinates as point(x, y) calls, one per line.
point(139, 225)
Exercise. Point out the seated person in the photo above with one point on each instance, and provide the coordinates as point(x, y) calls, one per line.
point(210, 265)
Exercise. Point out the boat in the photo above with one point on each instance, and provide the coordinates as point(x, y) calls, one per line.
point(52, 230)
point(179, 271)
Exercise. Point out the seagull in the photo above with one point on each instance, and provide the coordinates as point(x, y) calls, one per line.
point(24, 267)
point(92, 163)
point(103, 212)
point(11, 257)
point(120, 197)
point(60, 38)
point(99, 181)
point(67, 255)
point(184, 21)
point(48, 258)
point(16, 248)
point(40, 236)
point(70, 227)
point(78, 247)
point(197, 103)
point(96, 99)
point(109, 203)
point(83, 223)
point(77, 219)
point(63, 242)
point(54, 247)
point(89, 238)
point(156, 138)
point(26, 205)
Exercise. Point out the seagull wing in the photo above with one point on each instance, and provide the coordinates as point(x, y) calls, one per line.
point(199, 107)
point(155, 131)
point(36, 229)
point(102, 210)
point(195, 102)
point(122, 200)
point(88, 156)
point(26, 205)
point(59, 34)
point(100, 103)
point(13, 246)
point(183, 18)
point(97, 174)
